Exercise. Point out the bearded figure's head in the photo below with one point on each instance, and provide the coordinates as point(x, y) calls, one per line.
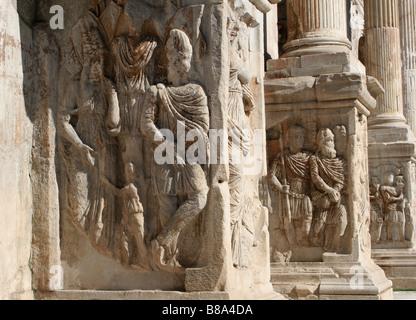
point(326, 143)
point(179, 55)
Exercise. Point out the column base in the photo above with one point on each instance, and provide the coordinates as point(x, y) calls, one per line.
point(399, 266)
point(336, 280)
point(314, 64)
point(315, 45)
point(389, 128)
point(318, 91)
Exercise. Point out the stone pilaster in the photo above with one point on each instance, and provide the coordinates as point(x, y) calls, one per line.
point(407, 18)
point(391, 143)
point(383, 58)
point(15, 146)
point(319, 84)
point(316, 27)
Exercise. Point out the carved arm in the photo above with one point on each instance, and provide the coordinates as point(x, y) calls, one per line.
point(67, 130)
point(333, 193)
point(274, 181)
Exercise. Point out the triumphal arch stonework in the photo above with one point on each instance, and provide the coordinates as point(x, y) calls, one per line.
point(201, 149)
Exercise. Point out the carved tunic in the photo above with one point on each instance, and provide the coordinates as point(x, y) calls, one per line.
point(238, 145)
point(393, 204)
point(189, 105)
point(131, 58)
point(327, 175)
point(376, 205)
point(237, 122)
point(298, 177)
point(93, 204)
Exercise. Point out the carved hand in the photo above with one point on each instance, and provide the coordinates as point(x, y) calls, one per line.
point(334, 196)
point(285, 189)
point(326, 203)
point(89, 155)
point(159, 138)
point(179, 160)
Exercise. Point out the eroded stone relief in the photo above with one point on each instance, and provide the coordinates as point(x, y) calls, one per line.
point(181, 188)
point(241, 103)
point(391, 211)
point(309, 188)
point(132, 208)
point(135, 92)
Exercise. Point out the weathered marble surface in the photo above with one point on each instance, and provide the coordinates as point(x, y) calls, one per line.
point(117, 75)
point(15, 161)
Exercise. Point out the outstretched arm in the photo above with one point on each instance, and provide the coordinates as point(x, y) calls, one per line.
point(113, 112)
point(67, 130)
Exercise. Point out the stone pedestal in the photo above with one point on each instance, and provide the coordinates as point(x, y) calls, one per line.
point(327, 92)
point(392, 145)
point(399, 266)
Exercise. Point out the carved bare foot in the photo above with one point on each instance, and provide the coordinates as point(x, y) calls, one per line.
point(162, 259)
point(169, 243)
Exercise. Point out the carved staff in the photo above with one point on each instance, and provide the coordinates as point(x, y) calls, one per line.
point(286, 214)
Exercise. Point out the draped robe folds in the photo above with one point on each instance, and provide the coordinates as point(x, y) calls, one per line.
point(131, 58)
point(376, 213)
point(298, 177)
point(86, 40)
point(189, 105)
point(93, 206)
point(239, 142)
point(328, 174)
point(84, 118)
point(393, 204)
point(331, 171)
point(394, 212)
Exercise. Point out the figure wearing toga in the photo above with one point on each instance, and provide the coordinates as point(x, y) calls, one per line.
point(328, 177)
point(240, 101)
point(394, 207)
point(131, 57)
point(87, 116)
point(179, 186)
point(292, 185)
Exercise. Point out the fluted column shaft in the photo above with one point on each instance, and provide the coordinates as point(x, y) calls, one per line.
point(317, 26)
point(383, 57)
point(407, 14)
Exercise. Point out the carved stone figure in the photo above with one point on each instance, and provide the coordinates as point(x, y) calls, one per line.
point(240, 100)
point(131, 56)
point(133, 250)
point(409, 226)
point(180, 187)
point(87, 118)
point(394, 207)
point(289, 176)
point(328, 177)
point(376, 209)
